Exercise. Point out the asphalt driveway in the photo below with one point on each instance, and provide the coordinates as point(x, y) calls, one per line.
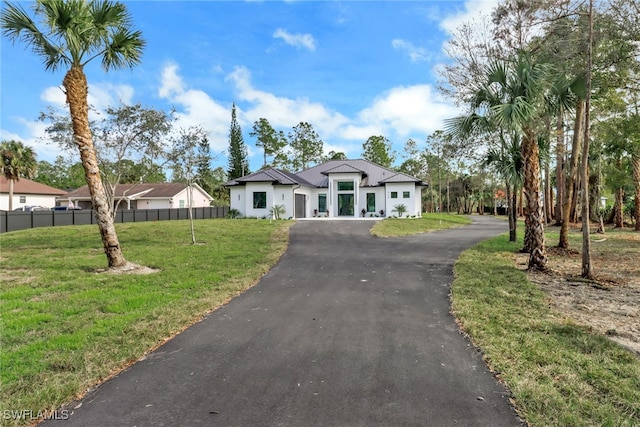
point(346, 330)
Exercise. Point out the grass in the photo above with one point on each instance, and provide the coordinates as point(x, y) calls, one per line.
point(560, 373)
point(66, 328)
point(393, 227)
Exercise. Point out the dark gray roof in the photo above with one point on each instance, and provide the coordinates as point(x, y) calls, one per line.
point(318, 176)
point(374, 175)
point(272, 175)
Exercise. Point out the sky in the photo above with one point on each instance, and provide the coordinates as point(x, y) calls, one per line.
point(352, 69)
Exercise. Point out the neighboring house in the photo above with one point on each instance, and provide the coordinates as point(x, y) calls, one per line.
point(337, 188)
point(27, 193)
point(143, 196)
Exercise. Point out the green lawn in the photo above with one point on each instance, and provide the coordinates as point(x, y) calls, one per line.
point(560, 373)
point(65, 327)
point(393, 227)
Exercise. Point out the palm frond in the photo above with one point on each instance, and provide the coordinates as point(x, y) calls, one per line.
point(18, 26)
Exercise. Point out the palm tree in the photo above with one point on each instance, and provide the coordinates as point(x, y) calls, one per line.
point(512, 99)
point(75, 33)
point(18, 162)
point(507, 161)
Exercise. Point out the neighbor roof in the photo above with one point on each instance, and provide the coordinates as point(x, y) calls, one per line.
point(149, 191)
point(373, 175)
point(26, 186)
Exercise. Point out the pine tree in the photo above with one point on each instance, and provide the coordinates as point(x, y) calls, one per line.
point(306, 145)
point(238, 154)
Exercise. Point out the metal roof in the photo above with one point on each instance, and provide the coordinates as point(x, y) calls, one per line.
point(373, 175)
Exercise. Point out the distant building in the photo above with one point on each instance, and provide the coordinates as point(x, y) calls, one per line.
point(143, 196)
point(28, 193)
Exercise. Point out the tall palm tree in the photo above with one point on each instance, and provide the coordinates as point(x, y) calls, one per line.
point(18, 161)
point(73, 33)
point(512, 98)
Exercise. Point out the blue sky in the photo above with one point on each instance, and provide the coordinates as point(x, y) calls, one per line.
point(352, 69)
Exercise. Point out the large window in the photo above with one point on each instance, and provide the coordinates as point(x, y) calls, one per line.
point(345, 185)
point(259, 199)
point(406, 194)
point(371, 202)
point(322, 202)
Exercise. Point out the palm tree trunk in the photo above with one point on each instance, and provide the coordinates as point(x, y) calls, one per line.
point(559, 169)
point(635, 159)
point(573, 173)
point(587, 267)
point(511, 206)
point(75, 84)
point(533, 210)
point(618, 208)
point(548, 196)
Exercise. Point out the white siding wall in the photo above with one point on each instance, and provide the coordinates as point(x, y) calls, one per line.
point(380, 200)
point(412, 203)
point(199, 199)
point(30, 200)
point(237, 197)
point(252, 187)
point(153, 204)
point(283, 195)
point(312, 199)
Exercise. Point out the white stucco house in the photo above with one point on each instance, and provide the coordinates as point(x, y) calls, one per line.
point(337, 188)
point(143, 196)
point(27, 193)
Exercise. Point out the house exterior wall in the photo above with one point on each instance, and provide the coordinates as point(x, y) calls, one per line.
point(153, 204)
point(412, 202)
point(252, 187)
point(237, 199)
point(333, 194)
point(199, 199)
point(30, 200)
point(380, 202)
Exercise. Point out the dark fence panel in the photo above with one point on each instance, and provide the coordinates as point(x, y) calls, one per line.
point(19, 220)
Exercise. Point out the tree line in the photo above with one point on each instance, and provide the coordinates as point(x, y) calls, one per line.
point(551, 95)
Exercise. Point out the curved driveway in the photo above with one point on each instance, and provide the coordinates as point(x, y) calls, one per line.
point(346, 330)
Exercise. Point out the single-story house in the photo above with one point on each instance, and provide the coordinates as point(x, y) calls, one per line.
point(143, 196)
point(337, 188)
point(27, 193)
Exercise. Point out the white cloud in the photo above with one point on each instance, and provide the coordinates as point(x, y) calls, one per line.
point(196, 107)
point(415, 53)
point(472, 10)
point(404, 111)
point(297, 40)
point(34, 137)
point(284, 112)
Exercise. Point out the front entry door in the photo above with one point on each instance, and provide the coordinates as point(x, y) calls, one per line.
point(345, 205)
